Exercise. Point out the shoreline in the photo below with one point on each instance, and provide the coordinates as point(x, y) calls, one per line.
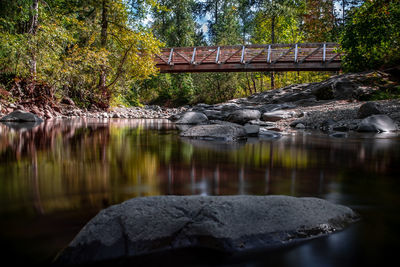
point(334, 105)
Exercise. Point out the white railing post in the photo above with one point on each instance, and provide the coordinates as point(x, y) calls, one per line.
point(295, 53)
point(217, 57)
point(324, 53)
point(242, 58)
point(269, 54)
point(170, 56)
point(193, 56)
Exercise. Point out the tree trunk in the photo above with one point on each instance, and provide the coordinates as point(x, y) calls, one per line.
point(272, 76)
point(32, 31)
point(103, 45)
point(254, 83)
point(248, 84)
point(343, 10)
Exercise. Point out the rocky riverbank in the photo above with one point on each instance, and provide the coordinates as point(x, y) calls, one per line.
point(65, 111)
point(335, 106)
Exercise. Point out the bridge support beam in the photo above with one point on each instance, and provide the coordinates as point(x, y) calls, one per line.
point(238, 67)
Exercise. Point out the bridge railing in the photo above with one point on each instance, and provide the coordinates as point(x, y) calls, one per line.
point(323, 56)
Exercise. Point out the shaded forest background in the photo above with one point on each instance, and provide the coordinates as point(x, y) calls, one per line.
point(99, 53)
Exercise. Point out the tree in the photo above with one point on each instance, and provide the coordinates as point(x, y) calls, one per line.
point(176, 27)
point(371, 38)
point(319, 21)
point(88, 51)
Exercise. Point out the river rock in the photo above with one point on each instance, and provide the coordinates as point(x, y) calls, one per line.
point(21, 116)
point(300, 126)
point(276, 115)
point(251, 129)
point(225, 132)
point(147, 225)
point(192, 117)
point(368, 109)
point(377, 123)
point(214, 114)
point(244, 115)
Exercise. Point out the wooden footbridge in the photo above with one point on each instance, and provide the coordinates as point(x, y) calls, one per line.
point(273, 57)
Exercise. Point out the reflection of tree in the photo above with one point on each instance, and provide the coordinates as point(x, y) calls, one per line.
point(291, 165)
point(79, 163)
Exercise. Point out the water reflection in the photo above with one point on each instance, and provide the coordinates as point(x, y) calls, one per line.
point(75, 166)
point(62, 165)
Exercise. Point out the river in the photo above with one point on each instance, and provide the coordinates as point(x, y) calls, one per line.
point(58, 175)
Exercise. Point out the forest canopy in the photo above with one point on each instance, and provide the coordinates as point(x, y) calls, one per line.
point(100, 53)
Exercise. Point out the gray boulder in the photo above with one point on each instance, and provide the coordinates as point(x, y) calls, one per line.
point(147, 225)
point(214, 114)
point(192, 117)
point(377, 123)
point(276, 115)
point(21, 116)
point(338, 87)
point(368, 109)
point(251, 129)
point(244, 115)
point(226, 132)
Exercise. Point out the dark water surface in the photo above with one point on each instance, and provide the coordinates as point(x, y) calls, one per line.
point(56, 176)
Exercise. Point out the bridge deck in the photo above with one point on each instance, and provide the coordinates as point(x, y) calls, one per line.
point(276, 57)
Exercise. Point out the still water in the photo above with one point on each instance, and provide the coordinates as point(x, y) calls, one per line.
point(56, 176)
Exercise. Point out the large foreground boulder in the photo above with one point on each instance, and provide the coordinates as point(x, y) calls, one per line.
point(224, 223)
point(226, 132)
point(21, 116)
point(377, 123)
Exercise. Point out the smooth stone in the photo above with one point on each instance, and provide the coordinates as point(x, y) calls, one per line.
point(216, 132)
point(192, 117)
point(244, 115)
point(276, 115)
point(261, 123)
point(368, 109)
point(377, 123)
point(252, 130)
point(214, 114)
point(142, 226)
point(21, 116)
point(293, 124)
point(300, 126)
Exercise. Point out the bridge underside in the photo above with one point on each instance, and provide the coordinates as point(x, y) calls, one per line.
point(259, 67)
point(276, 57)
